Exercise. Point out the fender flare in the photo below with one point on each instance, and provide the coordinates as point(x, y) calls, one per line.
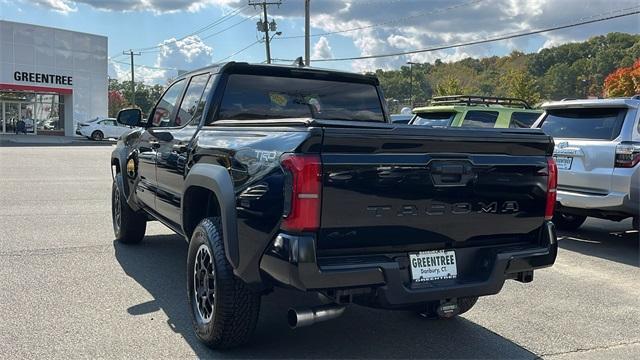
point(121, 155)
point(217, 179)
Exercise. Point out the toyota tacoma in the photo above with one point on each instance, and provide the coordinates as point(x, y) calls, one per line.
point(285, 176)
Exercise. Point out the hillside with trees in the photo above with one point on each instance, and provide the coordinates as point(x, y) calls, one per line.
point(574, 70)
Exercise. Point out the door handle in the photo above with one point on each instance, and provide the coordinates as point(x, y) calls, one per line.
point(179, 148)
point(154, 144)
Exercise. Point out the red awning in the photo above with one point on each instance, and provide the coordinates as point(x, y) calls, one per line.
point(43, 89)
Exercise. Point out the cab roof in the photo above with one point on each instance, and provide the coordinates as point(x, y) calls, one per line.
point(233, 67)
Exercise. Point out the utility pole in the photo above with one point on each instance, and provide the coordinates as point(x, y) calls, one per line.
point(133, 83)
point(411, 81)
point(307, 41)
point(264, 25)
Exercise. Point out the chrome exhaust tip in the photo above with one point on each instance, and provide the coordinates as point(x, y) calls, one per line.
point(301, 317)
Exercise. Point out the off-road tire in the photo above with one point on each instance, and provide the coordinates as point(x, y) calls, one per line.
point(564, 221)
point(235, 308)
point(97, 135)
point(130, 226)
point(464, 304)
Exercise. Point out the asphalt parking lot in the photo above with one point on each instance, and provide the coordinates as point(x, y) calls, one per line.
point(68, 291)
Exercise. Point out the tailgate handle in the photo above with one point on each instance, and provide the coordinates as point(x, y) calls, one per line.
point(451, 174)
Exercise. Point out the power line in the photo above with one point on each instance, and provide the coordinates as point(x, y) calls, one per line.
point(205, 37)
point(238, 52)
point(144, 66)
point(198, 31)
point(487, 40)
point(394, 21)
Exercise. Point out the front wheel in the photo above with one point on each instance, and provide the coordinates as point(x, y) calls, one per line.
point(224, 312)
point(129, 226)
point(567, 221)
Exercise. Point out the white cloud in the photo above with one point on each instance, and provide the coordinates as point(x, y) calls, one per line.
point(156, 6)
point(61, 6)
point(189, 53)
point(322, 49)
point(186, 54)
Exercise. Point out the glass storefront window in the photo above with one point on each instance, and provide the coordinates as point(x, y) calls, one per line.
point(32, 113)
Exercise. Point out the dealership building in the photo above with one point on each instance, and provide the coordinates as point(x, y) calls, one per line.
point(50, 79)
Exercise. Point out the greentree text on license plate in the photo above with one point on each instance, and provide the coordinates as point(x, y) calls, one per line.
point(433, 265)
point(563, 162)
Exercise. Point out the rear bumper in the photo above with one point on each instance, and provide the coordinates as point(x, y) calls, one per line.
point(386, 279)
point(613, 201)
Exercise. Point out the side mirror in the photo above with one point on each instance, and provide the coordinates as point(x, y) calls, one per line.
point(130, 117)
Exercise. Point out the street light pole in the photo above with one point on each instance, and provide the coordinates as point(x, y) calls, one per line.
point(411, 82)
point(307, 41)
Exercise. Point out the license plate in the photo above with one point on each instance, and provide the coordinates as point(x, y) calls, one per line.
point(563, 162)
point(433, 265)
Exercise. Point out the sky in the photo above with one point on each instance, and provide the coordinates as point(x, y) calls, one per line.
point(188, 34)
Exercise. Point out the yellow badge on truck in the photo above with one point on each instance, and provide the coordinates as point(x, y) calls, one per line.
point(131, 168)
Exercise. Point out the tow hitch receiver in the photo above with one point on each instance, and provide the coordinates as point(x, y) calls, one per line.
point(448, 309)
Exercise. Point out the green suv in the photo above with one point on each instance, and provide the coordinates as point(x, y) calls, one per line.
point(475, 112)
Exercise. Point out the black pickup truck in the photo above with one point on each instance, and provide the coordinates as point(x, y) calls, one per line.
point(295, 177)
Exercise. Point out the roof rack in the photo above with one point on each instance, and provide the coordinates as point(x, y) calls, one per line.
point(478, 100)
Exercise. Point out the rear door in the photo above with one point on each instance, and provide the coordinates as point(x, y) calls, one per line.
point(585, 146)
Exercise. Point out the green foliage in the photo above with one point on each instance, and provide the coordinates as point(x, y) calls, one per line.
point(146, 95)
point(521, 85)
point(575, 70)
point(449, 86)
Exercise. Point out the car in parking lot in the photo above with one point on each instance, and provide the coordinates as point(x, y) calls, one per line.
point(99, 129)
point(475, 112)
point(597, 149)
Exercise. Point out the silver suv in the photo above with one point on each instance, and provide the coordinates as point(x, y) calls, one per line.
point(597, 149)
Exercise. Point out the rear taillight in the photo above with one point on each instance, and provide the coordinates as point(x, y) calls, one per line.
point(552, 187)
point(627, 154)
point(302, 192)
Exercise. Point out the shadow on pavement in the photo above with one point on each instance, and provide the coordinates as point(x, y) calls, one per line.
point(604, 239)
point(158, 265)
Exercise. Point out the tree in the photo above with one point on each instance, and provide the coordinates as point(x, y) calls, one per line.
point(560, 82)
point(574, 70)
point(146, 95)
point(117, 102)
point(519, 84)
point(624, 81)
point(449, 86)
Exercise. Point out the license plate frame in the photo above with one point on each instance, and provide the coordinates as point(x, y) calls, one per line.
point(425, 266)
point(563, 162)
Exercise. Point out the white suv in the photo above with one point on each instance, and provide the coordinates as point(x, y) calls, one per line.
point(597, 149)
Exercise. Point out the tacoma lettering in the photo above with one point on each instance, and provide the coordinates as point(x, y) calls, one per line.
point(439, 208)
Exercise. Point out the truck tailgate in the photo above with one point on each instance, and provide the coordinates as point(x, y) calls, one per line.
point(413, 188)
